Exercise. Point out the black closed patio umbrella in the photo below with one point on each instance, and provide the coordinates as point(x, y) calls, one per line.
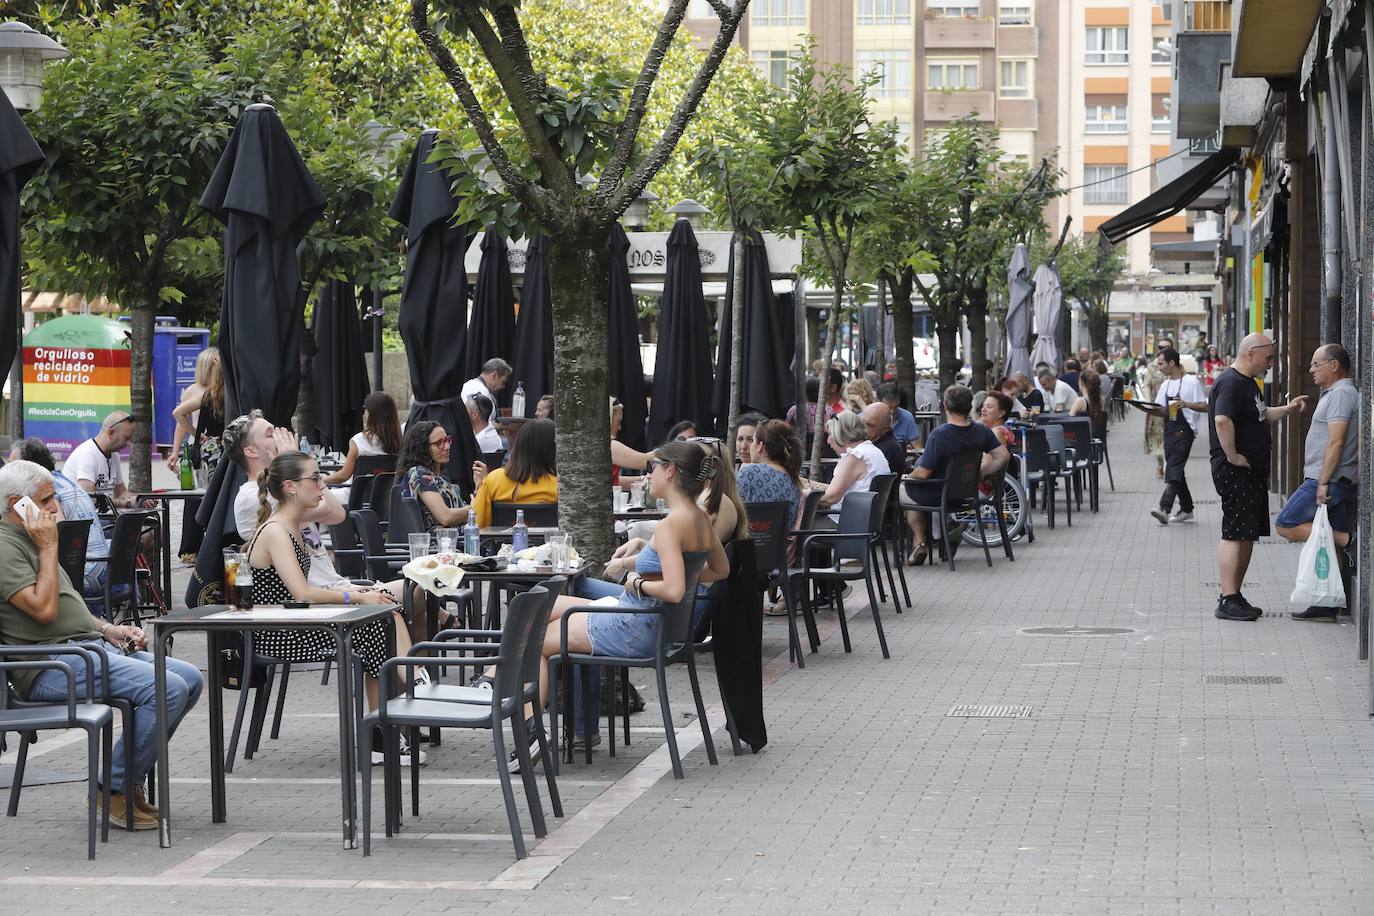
point(433, 318)
point(215, 517)
point(491, 332)
point(20, 158)
point(765, 380)
point(682, 367)
point(267, 200)
point(341, 382)
point(534, 330)
point(627, 367)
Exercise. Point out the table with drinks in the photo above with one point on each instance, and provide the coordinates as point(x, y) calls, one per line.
point(165, 498)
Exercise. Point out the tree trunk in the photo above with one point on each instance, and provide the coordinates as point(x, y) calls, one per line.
point(904, 333)
point(977, 317)
point(1096, 313)
point(579, 271)
point(736, 340)
point(832, 335)
point(813, 337)
point(950, 363)
point(882, 328)
point(305, 400)
point(141, 393)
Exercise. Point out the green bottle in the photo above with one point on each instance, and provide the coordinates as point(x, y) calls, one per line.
point(188, 475)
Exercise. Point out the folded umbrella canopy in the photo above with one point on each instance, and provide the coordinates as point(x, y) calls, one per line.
point(20, 158)
point(682, 366)
point(267, 200)
point(534, 331)
point(340, 370)
point(434, 304)
point(765, 381)
point(627, 368)
point(492, 330)
point(1018, 323)
point(1049, 299)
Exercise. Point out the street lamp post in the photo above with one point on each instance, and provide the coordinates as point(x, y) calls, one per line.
point(23, 54)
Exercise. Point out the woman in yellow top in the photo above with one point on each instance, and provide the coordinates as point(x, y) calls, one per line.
point(530, 476)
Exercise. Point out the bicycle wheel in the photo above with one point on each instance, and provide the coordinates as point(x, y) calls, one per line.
point(1014, 509)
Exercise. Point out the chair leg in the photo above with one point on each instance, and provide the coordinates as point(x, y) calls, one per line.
point(901, 573)
point(877, 618)
point(794, 649)
point(364, 751)
point(837, 599)
point(324, 678)
point(17, 785)
point(731, 728)
point(625, 702)
point(245, 678)
point(1107, 460)
point(998, 507)
point(555, 678)
point(590, 717)
point(668, 720)
point(281, 701)
point(873, 561)
point(549, 780)
point(92, 782)
point(945, 539)
point(522, 753)
point(414, 734)
point(507, 794)
point(107, 761)
point(891, 580)
point(126, 719)
point(701, 708)
point(255, 723)
point(610, 714)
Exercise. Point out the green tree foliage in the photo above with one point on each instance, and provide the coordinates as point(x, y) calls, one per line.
point(1088, 270)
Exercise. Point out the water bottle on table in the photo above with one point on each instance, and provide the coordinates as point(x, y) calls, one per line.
point(519, 534)
point(472, 537)
point(517, 401)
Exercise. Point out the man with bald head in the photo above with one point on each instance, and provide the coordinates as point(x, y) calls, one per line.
point(877, 419)
point(1238, 422)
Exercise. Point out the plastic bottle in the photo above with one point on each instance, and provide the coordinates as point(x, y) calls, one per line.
point(186, 470)
point(305, 445)
point(472, 537)
point(517, 401)
point(243, 585)
point(519, 534)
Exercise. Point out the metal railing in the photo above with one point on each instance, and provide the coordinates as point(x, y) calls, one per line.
point(1206, 16)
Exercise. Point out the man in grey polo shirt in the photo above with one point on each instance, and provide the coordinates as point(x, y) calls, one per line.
point(1330, 460)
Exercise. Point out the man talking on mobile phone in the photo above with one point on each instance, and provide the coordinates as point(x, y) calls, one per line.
point(39, 606)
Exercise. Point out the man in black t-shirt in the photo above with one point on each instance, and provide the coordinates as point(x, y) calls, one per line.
point(1238, 423)
point(877, 419)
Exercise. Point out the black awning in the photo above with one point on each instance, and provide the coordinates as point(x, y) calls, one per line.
point(1171, 198)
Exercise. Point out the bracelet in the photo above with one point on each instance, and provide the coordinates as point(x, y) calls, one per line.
point(347, 598)
point(104, 628)
point(633, 585)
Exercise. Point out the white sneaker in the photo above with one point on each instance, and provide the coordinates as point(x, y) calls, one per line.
point(1181, 516)
point(1160, 516)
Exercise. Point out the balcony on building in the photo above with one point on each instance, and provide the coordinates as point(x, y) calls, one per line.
point(1203, 42)
point(1018, 41)
point(955, 104)
point(1242, 108)
point(1269, 37)
point(960, 32)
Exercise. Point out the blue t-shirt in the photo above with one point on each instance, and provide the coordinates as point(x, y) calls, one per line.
point(947, 440)
point(904, 426)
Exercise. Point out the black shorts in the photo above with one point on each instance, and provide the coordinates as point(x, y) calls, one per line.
point(1244, 502)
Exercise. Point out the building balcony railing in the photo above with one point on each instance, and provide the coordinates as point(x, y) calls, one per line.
point(951, 106)
point(1206, 16)
point(947, 32)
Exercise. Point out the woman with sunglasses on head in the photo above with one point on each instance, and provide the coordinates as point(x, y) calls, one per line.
point(419, 471)
point(720, 497)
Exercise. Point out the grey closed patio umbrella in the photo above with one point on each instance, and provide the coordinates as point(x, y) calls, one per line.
point(340, 370)
point(682, 365)
point(433, 319)
point(534, 329)
point(1049, 297)
point(267, 200)
point(1018, 323)
point(626, 365)
point(491, 332)
point(20, 158)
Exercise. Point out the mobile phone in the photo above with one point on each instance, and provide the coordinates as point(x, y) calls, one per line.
point(24, 505)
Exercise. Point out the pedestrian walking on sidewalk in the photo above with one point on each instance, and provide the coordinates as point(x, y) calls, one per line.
point(1330, 460)
point(1182, 401)
point(1238, 424)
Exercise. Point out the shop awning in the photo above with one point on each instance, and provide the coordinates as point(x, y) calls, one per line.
point(1171, 198)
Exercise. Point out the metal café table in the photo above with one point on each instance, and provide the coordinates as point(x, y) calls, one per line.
point(165, 498)
point(338, 620)
point(527, 576)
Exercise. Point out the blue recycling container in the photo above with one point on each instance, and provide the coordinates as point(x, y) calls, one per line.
point(174, 370)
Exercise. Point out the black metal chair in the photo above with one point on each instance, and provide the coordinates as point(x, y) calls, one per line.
point(849, 560)
point(768, 531)
point(364, 469)
point(1065, 461)
point(125, 580)
point(674, 646)
point(517, 662)
point(348, 550)
point(379, 501)
point(887, 535)
point(96, 719)
point(958, 493)
point(537, 515)
point(1043, 469)
point(73, 538)
point(1078, 436)
point(405, 520)
point(494, 460)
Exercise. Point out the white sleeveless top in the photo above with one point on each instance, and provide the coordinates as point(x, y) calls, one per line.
point(874, 464)
point(367, 446)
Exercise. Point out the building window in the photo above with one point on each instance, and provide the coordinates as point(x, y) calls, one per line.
point(1160, 56)
point(778, 12)
point(1104, 118)
point(1160, 122)
point(893, 67)
point(884, 12)
point(1015, 79)
point(1104, 184)
point(774, 65)
point(949, 74)
point(1013, 12)
point(952, 9)
point(1108, 45)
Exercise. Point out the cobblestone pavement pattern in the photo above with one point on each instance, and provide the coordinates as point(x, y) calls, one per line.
point(1133, 787)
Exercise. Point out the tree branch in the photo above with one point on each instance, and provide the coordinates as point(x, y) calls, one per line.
point(722, 11)
point(639, 101)
point(686, 107)
point(168, 232)
point(1063, 236)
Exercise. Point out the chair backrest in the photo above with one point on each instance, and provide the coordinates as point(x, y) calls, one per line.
point(962, 473)
point(811, 501)
point(882, 485)
point(364, 469)
point(527, 616)
point(73, 537)
point(128, 528)
point(380, 499)
point(369, 531)
point(1054, 437)
point(677, 618)
point(1078, 435)
point(856, 516)
point(537, 515)
point(494, 460)
point(1037, 448)
point(405, 518)
point(768, 530)
point(344, 537)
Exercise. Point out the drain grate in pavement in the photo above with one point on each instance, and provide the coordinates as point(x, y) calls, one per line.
point(1241, 679)
point(1077, 631)
point(969, 711)
point(1206, 502)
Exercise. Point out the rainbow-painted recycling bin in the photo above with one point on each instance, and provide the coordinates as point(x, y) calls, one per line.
point(76, 370)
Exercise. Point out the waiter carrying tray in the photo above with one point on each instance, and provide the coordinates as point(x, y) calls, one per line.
point(1183, 401)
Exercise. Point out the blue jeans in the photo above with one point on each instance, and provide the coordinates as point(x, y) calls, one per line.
point(1301, 507)
point(131, 677)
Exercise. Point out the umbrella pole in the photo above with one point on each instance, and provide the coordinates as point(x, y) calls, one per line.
point(377, 340)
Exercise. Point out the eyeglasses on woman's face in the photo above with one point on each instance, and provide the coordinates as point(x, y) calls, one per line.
point(658, 463)
point(318, 477)
point(443, 442)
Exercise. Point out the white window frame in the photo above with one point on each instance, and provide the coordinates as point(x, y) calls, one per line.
point(1018, 91)
point(1094, 123)
point(894, 64)
point(1160, 58)
point(946, 63)
point(1161, 123)
point(1113, 45)
point(766, 13)
point(884, 12)
point(1010, 12)
point(1105, 184)
point(765, 59)
point(953, 9)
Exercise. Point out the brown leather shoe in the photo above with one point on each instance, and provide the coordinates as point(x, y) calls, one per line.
point(119, 815)
point(141, 803)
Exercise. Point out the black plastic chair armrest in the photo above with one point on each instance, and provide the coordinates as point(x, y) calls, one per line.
point(89, 653)
point(52, 664)
point(443, 635)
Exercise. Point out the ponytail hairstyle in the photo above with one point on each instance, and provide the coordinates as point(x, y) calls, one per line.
point(694, 466)
point(1091, 384)
point(272, 482)
point(383, 424)
point(723, 488)
point(781, 445)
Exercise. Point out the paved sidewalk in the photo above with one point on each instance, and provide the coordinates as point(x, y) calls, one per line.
point(1134, 785)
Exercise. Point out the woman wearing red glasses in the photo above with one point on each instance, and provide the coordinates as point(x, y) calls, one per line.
point(424, 455)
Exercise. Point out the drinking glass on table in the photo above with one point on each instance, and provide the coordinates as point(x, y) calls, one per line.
point(446, 539)
point(231, 570)
point(558, 549)
point(619, 499)
point(419, 544)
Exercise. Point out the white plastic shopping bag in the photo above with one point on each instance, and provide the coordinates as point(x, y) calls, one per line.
point(1319, 575)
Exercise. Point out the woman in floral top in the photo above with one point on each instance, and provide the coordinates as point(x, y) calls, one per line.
point(424, 455)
